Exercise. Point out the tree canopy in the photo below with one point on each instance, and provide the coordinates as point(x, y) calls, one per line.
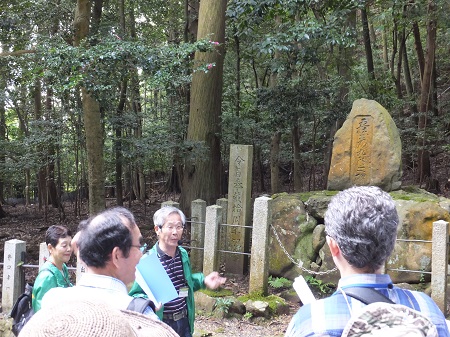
point(285, 73)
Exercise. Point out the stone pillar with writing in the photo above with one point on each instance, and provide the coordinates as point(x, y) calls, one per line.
point(13, 276)
point(366, 150)
point(239, 203)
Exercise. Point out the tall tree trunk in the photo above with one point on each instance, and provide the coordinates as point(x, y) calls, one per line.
point(369, 54)
point(259, 168)
point(344, 64)
point(419, 48)
point(425, 105)
point(398, 69)
point(275, 162)
point(238, 85)
point(434, 96)
point(385, 48)
point(92, 119)
point(120, 111)
point(298, 185)
point(410, 92)
point(201, 178)
point(51, 154)
point(2, 136)
point(42, 173)
point(408, 80)
point(118, 141)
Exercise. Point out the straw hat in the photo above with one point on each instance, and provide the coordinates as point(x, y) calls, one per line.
point(86, 318)
point(388, 320)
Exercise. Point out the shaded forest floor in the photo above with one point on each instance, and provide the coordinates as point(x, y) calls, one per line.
point(29, 224)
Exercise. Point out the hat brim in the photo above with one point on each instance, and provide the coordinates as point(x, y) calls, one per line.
point(146, 326)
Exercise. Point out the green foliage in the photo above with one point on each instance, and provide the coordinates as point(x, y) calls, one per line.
point(279, 282)
point(273, 300)
point(223, 304)
point(220, 292)
point(101, 66)
point(413, 193)
point(300, 63)
point(323, 287)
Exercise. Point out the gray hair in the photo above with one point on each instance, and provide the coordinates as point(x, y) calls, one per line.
point(363, 221)
point(160, 216)
point(122, 211)
point(102, 233)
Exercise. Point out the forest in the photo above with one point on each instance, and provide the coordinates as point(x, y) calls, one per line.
point(125, 98)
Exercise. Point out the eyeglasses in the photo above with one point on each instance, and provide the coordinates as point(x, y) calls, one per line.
point(142, 248)
point(171, 228)
point(174, 225)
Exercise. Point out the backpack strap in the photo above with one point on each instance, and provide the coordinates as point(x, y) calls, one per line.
point(139, 304)
point(367, 295)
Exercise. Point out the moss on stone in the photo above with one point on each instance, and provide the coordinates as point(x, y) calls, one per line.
point(413, 193)
point(272, 300)
point(304, 196)
point(221, 292)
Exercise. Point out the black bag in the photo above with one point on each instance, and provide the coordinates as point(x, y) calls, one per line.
point(22, 310)
point(140, 304)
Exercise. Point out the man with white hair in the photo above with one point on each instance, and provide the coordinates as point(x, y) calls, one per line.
point(179, 313)
point(361, 229)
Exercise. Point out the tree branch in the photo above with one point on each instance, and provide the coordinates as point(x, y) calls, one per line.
point(18, 53)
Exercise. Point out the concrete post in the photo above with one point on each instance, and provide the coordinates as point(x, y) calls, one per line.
point(223, 244)
point(43, 254)
point(439, 265)
point(13, 276)
point(170, 203)
point(198, 215)
point(210, 258)
point(81, 269)
point(259, 260)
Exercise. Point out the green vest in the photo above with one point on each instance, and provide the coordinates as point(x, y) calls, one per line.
point(194, 281)
point(49, 277)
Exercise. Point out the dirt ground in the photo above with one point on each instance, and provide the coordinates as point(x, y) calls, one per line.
point(210, 326)
point(29, 224)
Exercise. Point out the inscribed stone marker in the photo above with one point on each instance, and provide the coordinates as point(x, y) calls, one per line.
point(239, 196)
point(366, 149)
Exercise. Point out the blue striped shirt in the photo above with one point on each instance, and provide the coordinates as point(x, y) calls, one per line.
point(328, 317)
point(174, 269)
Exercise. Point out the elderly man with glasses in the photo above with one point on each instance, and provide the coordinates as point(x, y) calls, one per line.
point(179, 313)
point(110, 245)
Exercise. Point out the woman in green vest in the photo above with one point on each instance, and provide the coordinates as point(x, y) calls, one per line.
point(54, 272)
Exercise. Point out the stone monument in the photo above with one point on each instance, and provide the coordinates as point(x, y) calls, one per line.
point(239, 202)
point(366, 149)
